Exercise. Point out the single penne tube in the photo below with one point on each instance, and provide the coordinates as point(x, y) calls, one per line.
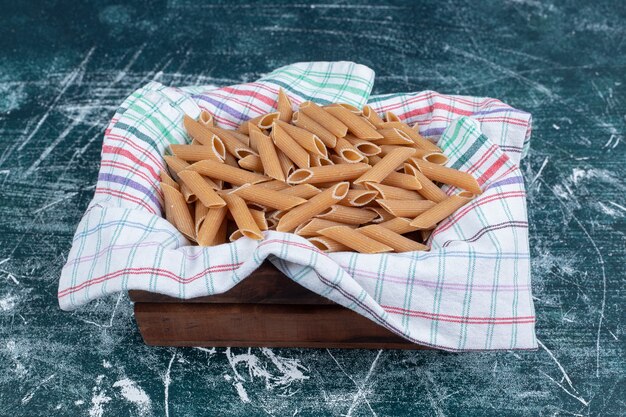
point(263, 121)
point(396, 179)
point(391, 117)
point(374, 159)
point(405, 208)
point(259, 218)
point(386, 166)
point(200, 212)
point(449, 176)
point(356, 124)
point(305, 122)
point(188, 194)
point(231, 160)
point(211, 226)
point(423, 154)
point(367, 148)
point(290, 147)
point(206, 118)
point(167, 206)
point(312, 207)
point(233, 145)
point(175, 164)
point(370, 114)
point(201, 133)
point(329, 173)
point(400, 225)
point(224, 172)
point(359, 198)
point(267, 197)
point(274, 185)
point(195, 153)
point(347, 106)
point(392, 239)
point(311, 227)
point(428, 189)
point(305, 191)
point(414, 134)
point(389, 192)
point(165, 178)
point(324, 118)
point(201, 189)
point(179, 211)
point(320, 161)
point(237, 234)
point(251, 163)
point(392, 136)
point(337, 160)
point(309, 141)
point(382, 215)
point(220, 237)
point(242, 137)
point(354, 240)
point(276, 214)
point(327, 245)
point(347, 151)
point(257, 206)
point(432, 216)
point(347, 215)
point(244, 220)
point(285, 163)
point(284, 107)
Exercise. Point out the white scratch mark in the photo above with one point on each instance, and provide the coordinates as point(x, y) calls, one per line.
point(135, 394)
point(167, 380)
point(612, 334)
point(241, 391)
point(47, 206)
point(558, 364)
point(5, 260)
point(617, 205)
point(350, 378)
point(556, 127)
point(98, 400)
point(209, 351)
point(579, 398)
point(363, 385)
point(31, 394)
point(543, 165)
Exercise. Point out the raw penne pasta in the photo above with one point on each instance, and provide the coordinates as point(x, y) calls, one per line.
point(311, 227)
point(324, 118)
point(200, 212)
point(244, 220)
point(386, 166)
point(202, 133)
point(391, 117)
point(188, 194)
point(440, 211)
point(359, 198)
point(203, 191)
point(392, 239)
point(283, 107)
point(337, 160)
point(400, 225)
point(211, 226)
point(414, 134)
point(320, 161)
point(271, 223)
point(328, 245)
point(175, 164)
point(428, 189)
point(365, 147)
point(206, 118)
point(374, 159)
point(393, 136)
point(347, 151)
point(285, 163)
point(179, 211)
point(296, 153)
point(231, 160)
point(232, 175)
point(167, 207)
point(329, 173)
point(259, 218)
point(425, 234)
point(347, 215)
point(263, 121)
point(267, 197)
point(354, 240)
point(305, 122)
point(242, 137)
point(382, 215)
point(347, 106)
point(449, 176)
point(305, 191)
point(268, 155)
point(195, 153)
point(405, 208)
point(237, 234)
point(312, 207)
point(389, 192)
point(274, 185)
point(356, 124)
point(277, 214)
point(304, 138)
point(165, 178)
point(423, 154)
point(371, 115)
point(220, 237)
point(251, 163)
point(233, 145)
point(396, 179)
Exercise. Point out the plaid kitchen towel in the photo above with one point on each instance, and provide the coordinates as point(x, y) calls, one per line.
point(471, 291)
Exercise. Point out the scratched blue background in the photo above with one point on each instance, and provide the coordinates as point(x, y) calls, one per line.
point(65, 66)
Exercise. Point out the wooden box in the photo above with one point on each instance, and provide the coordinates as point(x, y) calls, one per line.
point(267, 309)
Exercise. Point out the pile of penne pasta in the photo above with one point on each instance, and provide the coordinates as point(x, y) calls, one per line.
point(343, 178)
